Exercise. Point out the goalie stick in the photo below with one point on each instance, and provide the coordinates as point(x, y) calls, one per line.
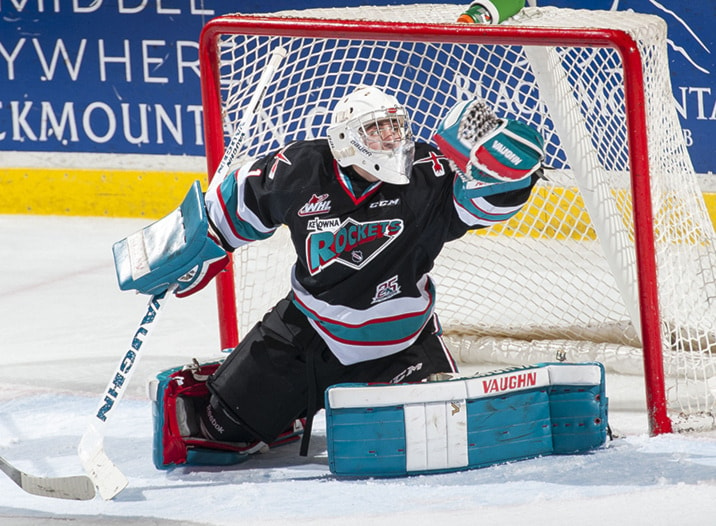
point(99, 467)
point(239, 136)
point(79, 487)
point(108, 478)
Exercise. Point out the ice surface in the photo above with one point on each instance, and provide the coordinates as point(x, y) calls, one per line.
point(64, 326)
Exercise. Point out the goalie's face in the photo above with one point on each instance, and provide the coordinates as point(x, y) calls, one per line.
point(371, 132)
point(385, 134)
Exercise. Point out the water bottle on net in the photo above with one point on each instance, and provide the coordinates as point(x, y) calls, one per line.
point(490, 11)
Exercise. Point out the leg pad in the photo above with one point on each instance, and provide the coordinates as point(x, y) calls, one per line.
point(170, 448)
point(507, 415)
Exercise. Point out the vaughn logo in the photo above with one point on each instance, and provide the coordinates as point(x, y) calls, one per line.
point(506, 152)
point(317, 204)
point(498, 384)
point(352, 244)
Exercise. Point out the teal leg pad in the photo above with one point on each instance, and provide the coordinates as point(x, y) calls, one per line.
point(579, 418)
point(397, 430)
point(508, 428)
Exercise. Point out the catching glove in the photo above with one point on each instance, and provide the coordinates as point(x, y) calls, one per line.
point(487, 149)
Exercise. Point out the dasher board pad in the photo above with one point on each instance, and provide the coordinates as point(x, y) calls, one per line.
point(465, 423)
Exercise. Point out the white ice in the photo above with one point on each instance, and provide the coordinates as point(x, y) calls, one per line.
point(64, 325)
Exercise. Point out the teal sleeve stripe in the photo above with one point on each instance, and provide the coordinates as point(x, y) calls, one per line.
point(463, 194)
point(465, 198)
point(242, 229)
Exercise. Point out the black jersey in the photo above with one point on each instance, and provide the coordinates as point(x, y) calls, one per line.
point(363, 250)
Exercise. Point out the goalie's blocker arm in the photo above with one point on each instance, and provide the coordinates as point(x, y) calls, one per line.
point(180, 249)
point(486, 149)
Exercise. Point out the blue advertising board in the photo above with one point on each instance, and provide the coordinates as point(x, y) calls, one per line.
point(692, 61)
point(122, 76)
point(101, 76)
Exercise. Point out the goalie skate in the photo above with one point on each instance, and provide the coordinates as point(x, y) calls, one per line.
point(176, 437)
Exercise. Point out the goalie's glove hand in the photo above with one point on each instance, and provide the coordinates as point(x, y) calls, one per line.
point(179, 249)
point(205, 270)
point(483, 148)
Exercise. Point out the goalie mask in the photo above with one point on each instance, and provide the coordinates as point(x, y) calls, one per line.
point(371, 130)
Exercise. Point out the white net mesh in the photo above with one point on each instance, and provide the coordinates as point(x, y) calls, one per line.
point(560, 279)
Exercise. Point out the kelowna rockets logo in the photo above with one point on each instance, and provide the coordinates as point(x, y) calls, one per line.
point(351, 244)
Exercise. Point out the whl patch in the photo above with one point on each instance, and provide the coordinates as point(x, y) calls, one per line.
point(318, 204)
point(351, 244)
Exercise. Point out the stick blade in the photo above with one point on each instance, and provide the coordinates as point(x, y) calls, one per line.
point(79, 487)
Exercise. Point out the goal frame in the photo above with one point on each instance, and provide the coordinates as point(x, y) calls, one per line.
point(623, 43)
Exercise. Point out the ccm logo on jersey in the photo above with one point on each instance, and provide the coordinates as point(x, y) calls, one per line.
point(383, 202)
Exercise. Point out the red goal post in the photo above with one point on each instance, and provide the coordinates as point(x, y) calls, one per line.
point(232, 51)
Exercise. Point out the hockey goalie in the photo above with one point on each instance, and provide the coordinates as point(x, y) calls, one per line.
point(369, 209)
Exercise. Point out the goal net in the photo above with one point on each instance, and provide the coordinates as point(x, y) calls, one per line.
point(612, 259)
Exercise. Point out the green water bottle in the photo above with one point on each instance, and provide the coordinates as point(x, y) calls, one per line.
point(490, 11)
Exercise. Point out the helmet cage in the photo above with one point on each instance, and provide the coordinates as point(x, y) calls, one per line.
point(379, 141)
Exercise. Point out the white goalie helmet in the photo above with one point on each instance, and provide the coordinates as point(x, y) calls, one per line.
point(371, 130)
